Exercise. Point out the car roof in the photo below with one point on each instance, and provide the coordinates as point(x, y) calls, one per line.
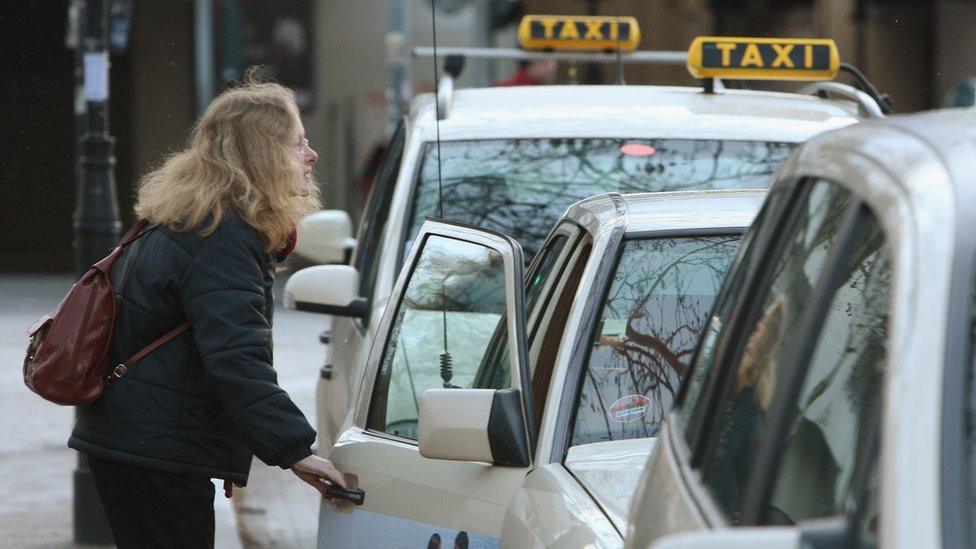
point(909, 150)
point(951, 135)
point(630, 112)
point(668, 211)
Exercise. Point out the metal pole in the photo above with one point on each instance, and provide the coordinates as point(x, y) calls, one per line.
point(399, 87)
point(484, 75)
point(204, 47)
point(76, 24)
point(96, 224)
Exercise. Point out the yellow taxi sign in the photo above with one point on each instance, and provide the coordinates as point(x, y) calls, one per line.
point(578, 33)
point(763, 58)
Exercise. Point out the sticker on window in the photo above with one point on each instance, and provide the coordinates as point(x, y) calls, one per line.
point(629, 408)
point(614, 326)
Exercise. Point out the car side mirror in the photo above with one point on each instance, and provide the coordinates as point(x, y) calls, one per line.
point(325, 237)
point(765, 537)
point(473, 425)
point(327, 289)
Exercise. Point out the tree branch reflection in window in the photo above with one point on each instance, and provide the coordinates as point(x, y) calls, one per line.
point(520, 187)
point(453, 303)
point(658, 301)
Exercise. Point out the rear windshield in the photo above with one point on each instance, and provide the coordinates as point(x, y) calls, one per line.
point(520, 187)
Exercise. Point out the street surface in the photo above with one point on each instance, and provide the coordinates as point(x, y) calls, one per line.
point(276, 510)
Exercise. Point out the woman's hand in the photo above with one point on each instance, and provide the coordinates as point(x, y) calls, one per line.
point(314, 470)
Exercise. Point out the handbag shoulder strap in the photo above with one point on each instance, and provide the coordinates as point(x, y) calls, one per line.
point(138, 229)
point(122, 368)
point(134, 232)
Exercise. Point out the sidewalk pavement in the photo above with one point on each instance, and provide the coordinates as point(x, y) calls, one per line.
point(276, 510)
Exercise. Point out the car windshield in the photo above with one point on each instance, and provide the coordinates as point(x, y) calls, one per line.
point(520, 187)
point(649, 323)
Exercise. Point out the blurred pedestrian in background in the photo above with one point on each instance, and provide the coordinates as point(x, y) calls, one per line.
point(222, 213)
point(533, 72)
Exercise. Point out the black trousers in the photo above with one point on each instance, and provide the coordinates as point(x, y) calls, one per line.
point(152, 509)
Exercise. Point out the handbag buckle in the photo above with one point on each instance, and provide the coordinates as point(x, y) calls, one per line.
point(119, 371)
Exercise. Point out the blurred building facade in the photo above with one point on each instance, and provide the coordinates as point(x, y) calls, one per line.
point(917, 51)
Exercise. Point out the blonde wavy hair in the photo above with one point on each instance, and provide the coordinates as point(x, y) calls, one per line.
point(240, 159)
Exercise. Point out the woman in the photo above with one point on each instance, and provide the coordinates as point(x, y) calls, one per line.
point(200, 406)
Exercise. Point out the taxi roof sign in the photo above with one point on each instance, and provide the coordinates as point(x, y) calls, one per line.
point(578, 33)
point(763, 58)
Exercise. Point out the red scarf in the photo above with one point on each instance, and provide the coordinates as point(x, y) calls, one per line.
point(283, 253)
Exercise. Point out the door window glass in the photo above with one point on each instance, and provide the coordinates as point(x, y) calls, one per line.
point(545, 346)
point(540, 275)
point(740, 421)
point(648, 327)
point(837, 409)
point(453, 303)
point(550, 313)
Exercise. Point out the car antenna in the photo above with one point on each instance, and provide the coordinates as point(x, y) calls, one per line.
point(447, 362)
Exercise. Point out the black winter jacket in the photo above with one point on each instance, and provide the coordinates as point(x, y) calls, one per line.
point(204, 402)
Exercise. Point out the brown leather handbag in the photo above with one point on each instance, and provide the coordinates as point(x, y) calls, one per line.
point(66, 359)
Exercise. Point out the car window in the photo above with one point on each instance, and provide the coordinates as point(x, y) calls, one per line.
point(545, 345)
point(520, 187)
point(550, 313)
point(375, 215)
point(738, 425)
point(836, 413)
point(544, 268)
point(453, 302)
point(747, 261)
point(647, 329)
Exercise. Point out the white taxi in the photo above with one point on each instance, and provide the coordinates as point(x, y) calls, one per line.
point(513, 159)
point(522, 409)
point(831, 403)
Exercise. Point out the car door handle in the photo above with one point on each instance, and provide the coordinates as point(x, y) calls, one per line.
point(357, 496)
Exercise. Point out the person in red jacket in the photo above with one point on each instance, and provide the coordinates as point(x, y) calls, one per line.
point(533, 72)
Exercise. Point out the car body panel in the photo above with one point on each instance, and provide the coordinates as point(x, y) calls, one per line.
point(552, 509)
point(420, 496)
point(916, 173)
point(610, 471)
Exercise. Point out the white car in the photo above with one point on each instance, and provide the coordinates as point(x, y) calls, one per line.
point(831, 401)
point(498, 407)
point(513, 159)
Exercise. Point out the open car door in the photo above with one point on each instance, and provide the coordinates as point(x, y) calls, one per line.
point(440, 442)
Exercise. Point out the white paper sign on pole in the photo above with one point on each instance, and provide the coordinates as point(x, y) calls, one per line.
point(96, 76)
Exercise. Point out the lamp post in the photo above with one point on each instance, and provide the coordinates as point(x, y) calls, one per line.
point(96, 220)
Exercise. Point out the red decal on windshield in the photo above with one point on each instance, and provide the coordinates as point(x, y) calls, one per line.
point(629, 408)
point(637, 149)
